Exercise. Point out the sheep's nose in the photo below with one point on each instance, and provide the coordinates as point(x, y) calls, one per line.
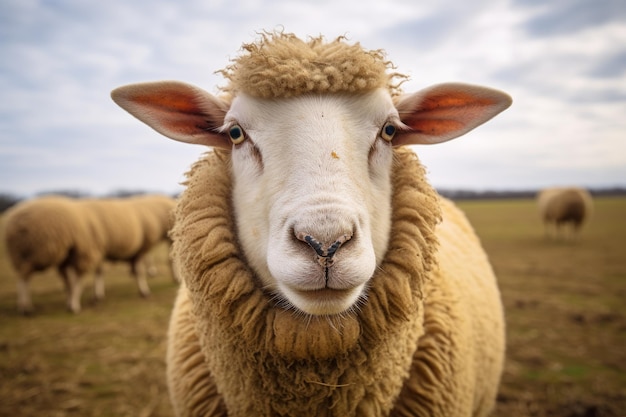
point(325, 252)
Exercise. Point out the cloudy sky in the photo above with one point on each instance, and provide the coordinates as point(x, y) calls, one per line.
point(562, 61)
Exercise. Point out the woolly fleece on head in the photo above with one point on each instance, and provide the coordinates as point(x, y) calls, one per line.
point(281, 65)
point(269, 361)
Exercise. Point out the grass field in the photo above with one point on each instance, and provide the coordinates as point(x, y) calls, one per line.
point(565, 310)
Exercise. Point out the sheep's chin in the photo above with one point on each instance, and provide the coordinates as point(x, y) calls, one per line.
point(324, 301)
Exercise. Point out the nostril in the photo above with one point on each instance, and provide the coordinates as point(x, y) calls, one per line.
point(321, 249)
point(337, 244)
point(333, 248)
point(317, 246)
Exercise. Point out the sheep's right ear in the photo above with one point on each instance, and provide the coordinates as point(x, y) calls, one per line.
point(177, 110)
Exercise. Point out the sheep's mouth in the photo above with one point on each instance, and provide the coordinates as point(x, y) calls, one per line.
point(324, 301)
point(324, 294)
point(320, 299)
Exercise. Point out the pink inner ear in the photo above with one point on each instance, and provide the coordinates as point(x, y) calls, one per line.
point(446, 111)
point(177, 110)
point(169, 99)
point(454, 99)
point(434, 127)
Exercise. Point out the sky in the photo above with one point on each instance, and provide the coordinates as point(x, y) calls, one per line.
point(562, 61)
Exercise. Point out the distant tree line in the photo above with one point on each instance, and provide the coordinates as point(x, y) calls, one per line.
point(7, 200)
point(504, 194)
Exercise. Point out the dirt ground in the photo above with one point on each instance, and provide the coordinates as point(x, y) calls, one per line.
point(564, 301)
point(565, 310)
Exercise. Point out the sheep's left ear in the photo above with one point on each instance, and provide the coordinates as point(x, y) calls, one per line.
point(446, 111)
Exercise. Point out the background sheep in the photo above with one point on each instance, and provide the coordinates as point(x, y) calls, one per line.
point(127, 228)
point(561, 206)
point(77, 236)
point(324, 290)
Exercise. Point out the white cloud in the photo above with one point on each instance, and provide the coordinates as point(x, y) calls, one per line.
point(59, 129)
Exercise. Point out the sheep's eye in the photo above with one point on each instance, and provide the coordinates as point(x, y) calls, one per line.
point(388, 131)
point(236, 134)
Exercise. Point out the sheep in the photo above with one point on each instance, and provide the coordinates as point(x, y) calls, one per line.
point(321, 274)
point(148, 219)
point(77, 236)
point(562, 205)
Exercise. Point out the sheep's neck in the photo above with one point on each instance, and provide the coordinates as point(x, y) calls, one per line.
point(268, 361)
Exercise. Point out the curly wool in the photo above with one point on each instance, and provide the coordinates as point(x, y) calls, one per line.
point(227, 335)
point(282, 65)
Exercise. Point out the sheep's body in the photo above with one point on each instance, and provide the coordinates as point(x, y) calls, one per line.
point(77, 236)
point(562, 206)
point(38, 236)
point(437, 322)
point(317, 277)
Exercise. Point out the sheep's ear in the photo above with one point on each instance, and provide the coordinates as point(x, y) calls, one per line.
point(177, 110)
point(446, 111)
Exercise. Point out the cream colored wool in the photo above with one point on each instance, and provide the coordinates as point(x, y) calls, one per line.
point(127, 228)
point(564, 205)
point(76, 236)
point(39, 233)
point(427, 339)
point(281, 65)
point(419, 345)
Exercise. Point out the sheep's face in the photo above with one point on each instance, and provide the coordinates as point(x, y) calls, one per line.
point(312, 193)
point(312, 173)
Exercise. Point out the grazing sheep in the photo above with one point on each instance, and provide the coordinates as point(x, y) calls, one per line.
point(128, 229)
point(562, 205)
point(77, 236)
point(318, 277)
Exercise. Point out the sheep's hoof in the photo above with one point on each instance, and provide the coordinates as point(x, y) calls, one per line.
point(73, 310)
point(95, 301)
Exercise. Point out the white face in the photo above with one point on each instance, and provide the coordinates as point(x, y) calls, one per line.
point(312, 194)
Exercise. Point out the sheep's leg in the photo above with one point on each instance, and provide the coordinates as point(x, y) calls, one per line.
point(74, 289)
point(99, 284)
point(552, 230)
point(139, 272)
point(24, 302)
point(151, 269)
point(66, 283)
point(569, 233)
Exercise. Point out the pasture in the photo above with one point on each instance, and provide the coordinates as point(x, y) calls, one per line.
point(564, 302)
